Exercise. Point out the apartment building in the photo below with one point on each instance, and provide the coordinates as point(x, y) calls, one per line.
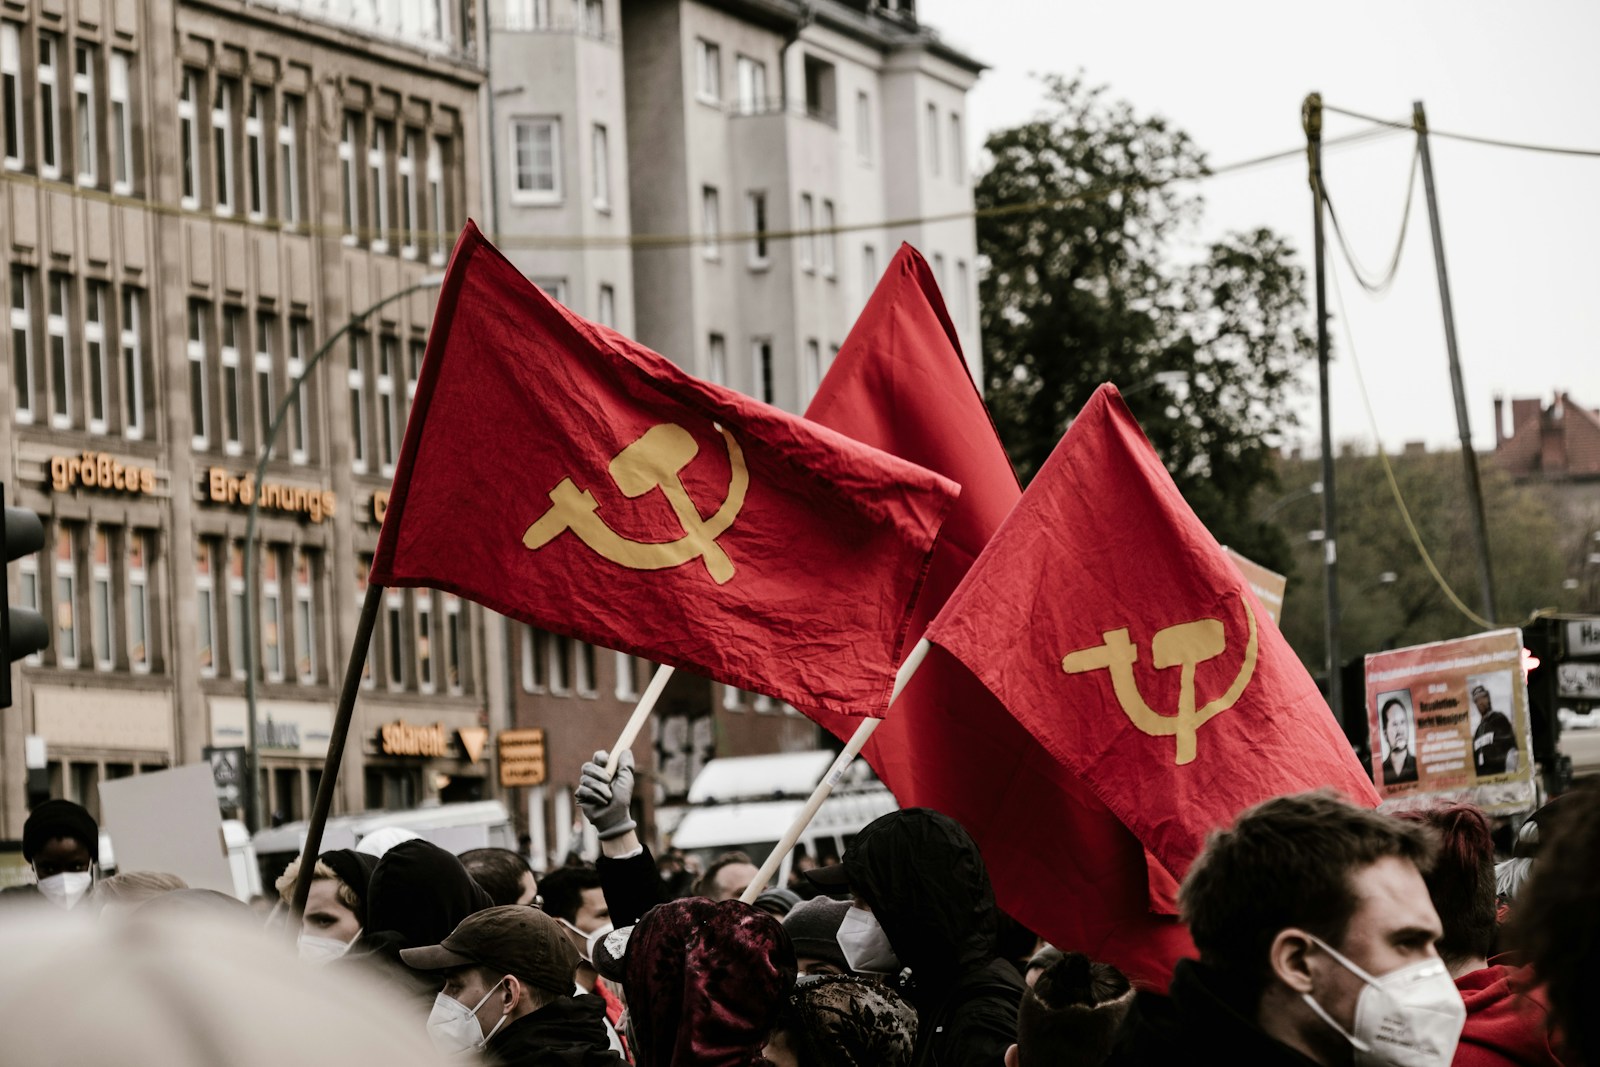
point(198, 196)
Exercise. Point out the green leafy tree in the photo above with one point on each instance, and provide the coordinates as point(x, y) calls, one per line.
point(1080, 221)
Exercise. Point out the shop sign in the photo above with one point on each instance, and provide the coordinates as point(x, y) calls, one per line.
point(403, 739)
point(286, 728)
point(380, 506)
point(521, 757)
point(1583, 637)
point(100, 470)
point(225, 488)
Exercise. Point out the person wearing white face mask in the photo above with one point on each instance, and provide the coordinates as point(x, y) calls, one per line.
point(508, 981)
point(1316, 939)
point(336, 906)
point(61, 842)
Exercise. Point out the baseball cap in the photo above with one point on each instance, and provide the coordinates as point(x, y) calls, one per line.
point(511, 939)
point(832, 878)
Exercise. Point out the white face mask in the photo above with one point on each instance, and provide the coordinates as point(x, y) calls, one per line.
point(67, 888)
point(1411, 1017)
point(322, 949)
point(454, 1027)
point(866, 947)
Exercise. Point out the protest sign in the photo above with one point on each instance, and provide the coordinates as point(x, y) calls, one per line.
point(1449, 721)
point(168, 821)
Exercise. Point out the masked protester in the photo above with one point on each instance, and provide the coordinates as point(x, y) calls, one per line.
point(572, 897)
point(923, 901)
point(61, 842)
point(336, 905)
point(843, 1021)
point(1316, 939)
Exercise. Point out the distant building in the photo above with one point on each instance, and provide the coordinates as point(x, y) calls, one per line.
point(1561, 441)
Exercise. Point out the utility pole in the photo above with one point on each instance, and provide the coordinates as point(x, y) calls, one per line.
point(1311, 119)
point(1480, 526)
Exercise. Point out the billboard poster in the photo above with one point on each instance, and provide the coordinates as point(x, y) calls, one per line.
point(1449, 722)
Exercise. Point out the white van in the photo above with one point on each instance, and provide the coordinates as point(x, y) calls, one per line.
point(745, 803)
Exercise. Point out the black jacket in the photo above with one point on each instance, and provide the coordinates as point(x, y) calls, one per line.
point(567, 1032)
point(928, 888)
point(631, 886)
point(1202, 1021)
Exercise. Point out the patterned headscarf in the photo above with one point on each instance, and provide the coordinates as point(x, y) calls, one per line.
point(839, 1020)
point(705, 982)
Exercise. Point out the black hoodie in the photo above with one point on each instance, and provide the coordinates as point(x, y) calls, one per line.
point(925, 881)
point(567, 1032)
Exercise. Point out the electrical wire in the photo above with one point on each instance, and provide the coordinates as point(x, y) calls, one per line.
point(1388, 469)
point(1379, 287)
point(1492, 142)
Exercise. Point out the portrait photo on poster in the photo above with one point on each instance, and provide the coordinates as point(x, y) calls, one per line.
point(1491, 718)
point(1398, 729)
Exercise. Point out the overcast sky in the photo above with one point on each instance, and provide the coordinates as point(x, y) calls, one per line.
point(1521, 230)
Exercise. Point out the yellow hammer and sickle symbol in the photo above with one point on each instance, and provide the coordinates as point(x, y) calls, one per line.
point(1185, 646)
point(651, 462)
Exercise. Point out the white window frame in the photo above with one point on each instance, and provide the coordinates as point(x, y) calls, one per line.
point(237, 602)
point(869, 270)
point(963, 295)
point(605, 309)
point(356, 380)
point(526, 178)
point(16, 147)
point(585, 665)
point(369, 668)
point(28, 592)
point(58, 339)
point(138, 601)
point(732, 698)
point(378, 176)
point(416, 352)
point(305, 618)
point(829, 241)
point(266, 337)
point(532, 653)
point(295, 366)
point(195, 347)
point(94, 351)
point(22, 337)
point(390, 424)
point(592, 18)
point(66, 572)
point(710, 222)
point(349, 180)
point(255, 151)
point(600, 151)
point(708, 71)
point(232, 384)
point(717, 359)
point(425, 638)
point(558, 675)
point(958, 164)
point(811, 370)
point(205, 589)
point(455, 675)
point(436, 198)
point(763, 385)
point(121, 96)
point(289, 160)
point(406, 171)
point(132, 346)
point(554, 288)
point(394, 667)
point(102, 602)
point(222, 146)
point(273, 654)
point(752, 83)
point(84, 112)
point(806, 238)
point(627, 677)
point(49, 88)
point(931, 131)
point(756, 221)
point(864, 151)
point(189, 134)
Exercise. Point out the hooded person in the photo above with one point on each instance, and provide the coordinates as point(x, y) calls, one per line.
point(336, 906)
point(61, 842)
point(704, 980)
point(419, 893)
point(923, 901)
point(839, 1020)
point(1070, 1012)
point(813, 929)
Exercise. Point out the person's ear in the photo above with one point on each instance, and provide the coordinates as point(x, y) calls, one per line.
point(515, 993)
point(1289, 958)
point(1013, 1057)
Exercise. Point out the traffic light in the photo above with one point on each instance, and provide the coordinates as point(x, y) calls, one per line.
point(22, 630)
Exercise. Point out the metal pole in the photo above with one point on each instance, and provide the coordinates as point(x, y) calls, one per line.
point(330, 766)
point(1480, 525)
point(1311, 119)
point(248, 623)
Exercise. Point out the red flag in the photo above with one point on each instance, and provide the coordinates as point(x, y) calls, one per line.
point(1061, 862)
point(593, 488)
point(1112, 625)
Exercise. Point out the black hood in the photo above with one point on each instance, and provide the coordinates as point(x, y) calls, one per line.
point(420, 892)
point(566, 1031)
point(355, 870)
point(925, 881)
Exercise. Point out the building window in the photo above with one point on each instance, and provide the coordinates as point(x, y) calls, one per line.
point(710, 222)
point(821, 82)
point(586, 670)
point(101, 630)
point(11, 91)
point(390, 418)
point(869, 270)
point(752, 75)
point(731, 698)
point(232, 428)
point(236, 604)
point(299, 430)
point(933, 139)
point(755, 210)
point(407, 171)
point(49, 106)
point(811, 372)
point(606, 307)
point(627, 677)
point(957, 148)
point(94, 346)
point(22, 341)
point(394, 629)
point(424, 611)
point(418, 350)
point(708, 71)
point(363, 571)
point(807, 237)
point(66, 599)
point(60, 309)
point(452, 643)
point(255, 152)
point(533, 660)
point(289, 160)
point(121, 126)
point(560, 669)
point(830, 240)
point(28, 593)
point(84, 112)
point(378, 179)
point(205, 610)
point(349, 179)
point(222, 144)
point(132, 364)
point(864, 127)
point(527, 14)
point(189, 137)
point(436, 198)
point(717, 359)
point(592, 18)
point(554, 288)
point(198, 313)
point(761, 369)
point(139, 600)
point(963, 295)
point(357, 381)
point(266, 345)
point(271, 615)
point(602, 168)
point(305, 620)
point(536, 159)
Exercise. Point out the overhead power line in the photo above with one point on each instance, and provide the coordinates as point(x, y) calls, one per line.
point(1492, 142)
point(1361, 275)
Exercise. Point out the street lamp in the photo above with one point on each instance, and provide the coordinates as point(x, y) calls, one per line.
point(251, 594)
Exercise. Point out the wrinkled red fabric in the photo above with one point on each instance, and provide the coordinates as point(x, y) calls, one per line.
point(517, 397)
point(899, 383)
point(1508, 1022)
point(1103, 542)
point(705, 983)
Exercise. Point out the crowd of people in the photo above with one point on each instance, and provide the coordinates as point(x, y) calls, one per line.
point(1326, 933)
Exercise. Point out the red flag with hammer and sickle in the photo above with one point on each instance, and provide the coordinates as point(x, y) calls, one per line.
point(1061, 862)
point(1109, 622)
point(559, 474)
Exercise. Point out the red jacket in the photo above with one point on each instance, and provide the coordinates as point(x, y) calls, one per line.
point(1507, 1020)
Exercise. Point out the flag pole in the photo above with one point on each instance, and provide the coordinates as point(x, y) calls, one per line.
point(641, 714)
point(336, 740)
point(853, 748)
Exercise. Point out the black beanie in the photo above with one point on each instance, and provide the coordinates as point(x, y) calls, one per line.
point(59, 818)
